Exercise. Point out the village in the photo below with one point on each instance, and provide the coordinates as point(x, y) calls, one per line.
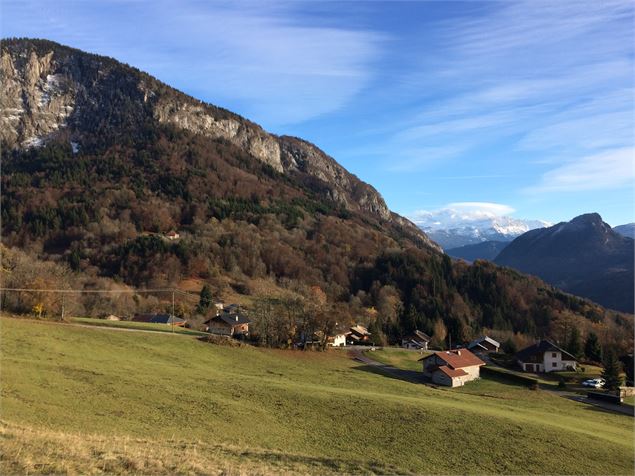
point(541, 364)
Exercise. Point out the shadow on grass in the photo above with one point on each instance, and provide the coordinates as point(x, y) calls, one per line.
point(393, 373)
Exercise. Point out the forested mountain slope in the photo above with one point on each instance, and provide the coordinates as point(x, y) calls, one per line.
point(584, 256)
point(101, 161)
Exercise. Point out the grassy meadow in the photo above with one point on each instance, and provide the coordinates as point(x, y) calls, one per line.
point(80, 400)
point(141, 326)
point(400, 358)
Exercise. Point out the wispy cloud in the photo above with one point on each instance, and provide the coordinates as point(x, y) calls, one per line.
point(607, 170)
point(532, 77)
point(264, 59)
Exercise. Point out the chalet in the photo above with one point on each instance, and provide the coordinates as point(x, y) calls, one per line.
point(545, 356)
point(417, 340)
point(483, 345)
point(358, 335)
point(160, 319)
point(234, 324)
point(452, 368)
point(337, 340)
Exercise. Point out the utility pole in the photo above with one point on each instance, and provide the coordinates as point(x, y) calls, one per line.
point(173, 311)
point(63, 297)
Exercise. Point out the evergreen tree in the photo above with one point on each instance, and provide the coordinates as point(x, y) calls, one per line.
point(509, 347)
point(205, 300)
point(592, 348)
point(574, 346)
point(611, 372)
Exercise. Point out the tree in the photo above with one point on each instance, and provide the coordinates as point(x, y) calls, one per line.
point(439, 333)
point(205, 300)
point(592, 348)
point(509, 346)
point(611, 372)
point(574, 346)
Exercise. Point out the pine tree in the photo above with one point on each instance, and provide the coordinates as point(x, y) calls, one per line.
point(592, 348)
point(611, 372)
point(205, 300)
point(574, 346)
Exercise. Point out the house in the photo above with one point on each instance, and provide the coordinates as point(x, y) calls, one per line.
point(173, 235)
point(338, 340)
point(417, 340)
point(452, 368)
point(358, 335)
point(234, 324)
point(483, 344)
point(110, 317)
point(545, 356)
point(160, 319)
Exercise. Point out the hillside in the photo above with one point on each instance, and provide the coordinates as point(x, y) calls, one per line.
point(584, 257)
point(627, 230)
point(101, 161)
point(486, 250)
point(78, 400)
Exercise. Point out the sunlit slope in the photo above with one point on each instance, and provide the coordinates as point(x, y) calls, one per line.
point(255, 409)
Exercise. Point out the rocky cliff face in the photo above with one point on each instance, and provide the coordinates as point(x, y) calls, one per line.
point(48, 88)
point(36, 100)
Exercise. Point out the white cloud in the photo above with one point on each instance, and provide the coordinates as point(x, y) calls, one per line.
point(606, 170)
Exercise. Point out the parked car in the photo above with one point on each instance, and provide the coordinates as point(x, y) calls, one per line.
point(594, 382)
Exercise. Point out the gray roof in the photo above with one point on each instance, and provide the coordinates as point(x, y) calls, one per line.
point(480, 340)
point(157, 318)
point(230, 318)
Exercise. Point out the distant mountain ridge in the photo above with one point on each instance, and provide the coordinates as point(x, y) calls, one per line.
point(452, 230)
point(488, 250)
point(627, 230)
point(584, 256)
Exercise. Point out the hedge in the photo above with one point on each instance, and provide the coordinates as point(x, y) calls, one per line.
point(512, 377)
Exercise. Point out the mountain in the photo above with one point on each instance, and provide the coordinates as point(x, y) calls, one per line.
point(627, 230)
point(584, 257)
point(112, 178)
point(452, 228)
point(486, 250)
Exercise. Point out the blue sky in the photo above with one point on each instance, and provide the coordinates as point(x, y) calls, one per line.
point(524, 107)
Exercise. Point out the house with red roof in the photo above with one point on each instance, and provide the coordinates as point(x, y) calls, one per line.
point(452, 368)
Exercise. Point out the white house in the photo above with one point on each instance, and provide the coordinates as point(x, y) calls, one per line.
point(545, 356)
point(452, 368)
point(338, 340)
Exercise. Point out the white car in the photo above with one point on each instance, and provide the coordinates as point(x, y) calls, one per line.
point(594, 382)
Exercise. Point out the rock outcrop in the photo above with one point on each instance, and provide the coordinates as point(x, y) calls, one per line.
point(48, 88)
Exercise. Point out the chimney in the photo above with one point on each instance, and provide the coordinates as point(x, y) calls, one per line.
point(458, 352)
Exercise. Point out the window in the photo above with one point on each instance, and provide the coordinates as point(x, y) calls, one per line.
point(553, 364)
point(553, 354)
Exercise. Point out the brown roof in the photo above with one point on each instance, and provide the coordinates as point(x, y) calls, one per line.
point(452, 372)
point(457, 359)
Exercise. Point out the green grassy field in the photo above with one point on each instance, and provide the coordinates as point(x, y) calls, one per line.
point(143, 326)
point(400, 358)
point(79, 400)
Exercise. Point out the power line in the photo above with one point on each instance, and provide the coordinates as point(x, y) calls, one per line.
point(102, 291)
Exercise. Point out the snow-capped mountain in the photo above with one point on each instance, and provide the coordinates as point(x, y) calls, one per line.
point(462, 225)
